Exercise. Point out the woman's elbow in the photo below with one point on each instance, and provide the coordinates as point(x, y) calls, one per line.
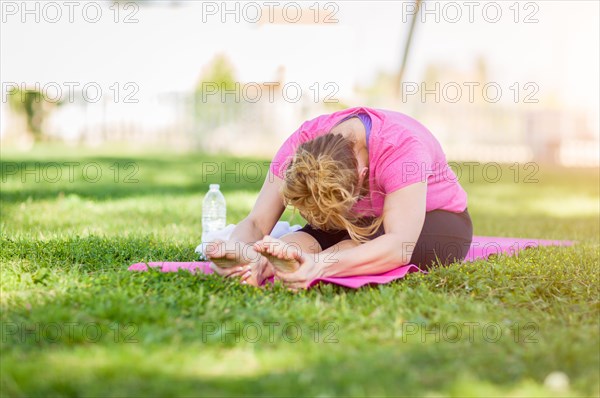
point(401, 251)
point(402, 259)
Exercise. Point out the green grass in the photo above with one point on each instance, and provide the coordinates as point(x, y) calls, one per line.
point(66, 246)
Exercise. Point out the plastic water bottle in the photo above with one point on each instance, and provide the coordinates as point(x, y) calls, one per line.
point(214, 211)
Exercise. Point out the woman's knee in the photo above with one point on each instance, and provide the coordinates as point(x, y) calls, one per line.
point(302, 241)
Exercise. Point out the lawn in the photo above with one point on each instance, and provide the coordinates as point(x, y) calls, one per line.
point(75, 322)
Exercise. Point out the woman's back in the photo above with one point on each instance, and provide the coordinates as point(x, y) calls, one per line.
point(401, 152)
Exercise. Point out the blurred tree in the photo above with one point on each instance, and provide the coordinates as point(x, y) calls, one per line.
point(212, 107)
point(220, 71)
point(32, 105)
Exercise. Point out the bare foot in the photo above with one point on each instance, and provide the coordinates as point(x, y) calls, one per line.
point(229, 254)
point(284, 256)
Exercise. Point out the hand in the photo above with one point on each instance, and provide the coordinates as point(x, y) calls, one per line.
point(308, 271)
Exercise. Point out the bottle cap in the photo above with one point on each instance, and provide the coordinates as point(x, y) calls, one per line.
point(214, 186)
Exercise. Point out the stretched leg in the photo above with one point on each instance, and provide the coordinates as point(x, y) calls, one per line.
point(284, 253)
point(227, 255)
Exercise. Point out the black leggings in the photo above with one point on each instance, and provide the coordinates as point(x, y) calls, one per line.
point(445, 236)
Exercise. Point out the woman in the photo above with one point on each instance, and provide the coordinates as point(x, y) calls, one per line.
point(376, 190)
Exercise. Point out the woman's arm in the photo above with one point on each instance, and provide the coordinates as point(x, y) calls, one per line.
point(267, 209)
point(403, 218)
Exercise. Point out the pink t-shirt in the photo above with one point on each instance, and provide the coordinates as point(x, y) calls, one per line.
point(401, 152)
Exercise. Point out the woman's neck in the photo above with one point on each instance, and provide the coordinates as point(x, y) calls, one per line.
point(354, 129)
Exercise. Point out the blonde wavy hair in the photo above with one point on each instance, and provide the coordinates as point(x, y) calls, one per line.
point(321, 182)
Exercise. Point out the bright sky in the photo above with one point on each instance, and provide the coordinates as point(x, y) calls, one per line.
point(167, 49)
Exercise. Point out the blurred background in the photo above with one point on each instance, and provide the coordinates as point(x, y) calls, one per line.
point(493, 81)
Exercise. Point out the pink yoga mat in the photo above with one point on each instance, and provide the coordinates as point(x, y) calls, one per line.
point(481, 247)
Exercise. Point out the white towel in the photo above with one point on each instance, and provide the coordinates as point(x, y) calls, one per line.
point(280, 229)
